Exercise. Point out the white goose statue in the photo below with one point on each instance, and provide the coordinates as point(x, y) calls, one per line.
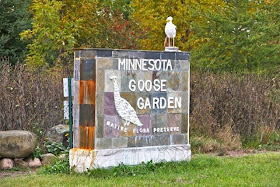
point(170, 30)
point(124, 109)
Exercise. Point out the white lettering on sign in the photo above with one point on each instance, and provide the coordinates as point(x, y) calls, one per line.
point(166, 129)
point(131, 85)
point(159, 102)
point(158, 85)
point(141, 130)
point(116, 126)
point(145, 64)
point(124, 129)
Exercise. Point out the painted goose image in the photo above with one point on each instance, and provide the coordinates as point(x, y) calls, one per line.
point(124, 109)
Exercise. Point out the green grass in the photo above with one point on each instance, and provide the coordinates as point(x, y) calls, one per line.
point(203, 170)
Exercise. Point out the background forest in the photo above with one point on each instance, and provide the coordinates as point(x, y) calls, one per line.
point(235, 60)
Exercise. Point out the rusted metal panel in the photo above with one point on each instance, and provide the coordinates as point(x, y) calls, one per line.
point(86, 137)
point(84, 98)
point(87, 115)
point(87, 92)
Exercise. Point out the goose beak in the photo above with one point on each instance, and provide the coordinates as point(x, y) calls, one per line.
point(169, 19)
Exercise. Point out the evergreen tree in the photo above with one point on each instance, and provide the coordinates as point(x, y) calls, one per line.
point(241, 35)
point(14, 18)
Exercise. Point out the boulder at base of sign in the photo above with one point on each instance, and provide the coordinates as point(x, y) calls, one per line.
point(17, 143)
point(59, 133)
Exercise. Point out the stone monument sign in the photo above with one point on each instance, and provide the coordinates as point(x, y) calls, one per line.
point(130, 107)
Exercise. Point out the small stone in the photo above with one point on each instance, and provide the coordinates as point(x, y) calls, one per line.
point(103, 143)
point(100, 127)
point(20, 163)
point(119, 142)
point(6, 163)
point(34, 163)
point(177, 139)
point(104, 63)
point(136, 54)
point(163, 139)
point(120, 54)
point(142, 141)
point(62, 156)
point(131, 142)
point(47, 159)
point(100, 80)
point(174, 81)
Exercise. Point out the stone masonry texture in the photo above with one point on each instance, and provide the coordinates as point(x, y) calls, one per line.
point(97, 123)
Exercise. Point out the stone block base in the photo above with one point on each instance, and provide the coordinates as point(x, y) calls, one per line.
point(83, 159)
point(172, 49)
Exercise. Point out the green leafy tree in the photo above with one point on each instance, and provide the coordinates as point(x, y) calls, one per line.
point(122, 6)
point(14, 18)
point(59, 26)
point(56, 28)
point(238, 36)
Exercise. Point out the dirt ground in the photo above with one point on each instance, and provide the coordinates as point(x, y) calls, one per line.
point(11, 173)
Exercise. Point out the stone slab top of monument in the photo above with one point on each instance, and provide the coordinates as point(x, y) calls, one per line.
point(128, 53)
point(130, 106)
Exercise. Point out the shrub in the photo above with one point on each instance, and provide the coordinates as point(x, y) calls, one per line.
point(58, 166)
point(55, 147)
point(30, 100)
point(232, 106)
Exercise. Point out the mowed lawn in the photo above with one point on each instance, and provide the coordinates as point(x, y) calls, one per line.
point(255, 170)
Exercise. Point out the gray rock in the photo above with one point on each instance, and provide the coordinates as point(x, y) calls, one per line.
point(34, 163)
point(6, 163)
point(17, 143)
point(19, 162)
point(47, 159)
point(57, 134)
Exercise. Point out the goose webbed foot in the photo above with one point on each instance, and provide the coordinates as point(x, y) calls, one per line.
point(126, 123)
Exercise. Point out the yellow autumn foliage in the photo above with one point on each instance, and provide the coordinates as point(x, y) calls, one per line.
point(151, 16)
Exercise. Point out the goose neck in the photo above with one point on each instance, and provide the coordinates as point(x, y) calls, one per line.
point(116, 89)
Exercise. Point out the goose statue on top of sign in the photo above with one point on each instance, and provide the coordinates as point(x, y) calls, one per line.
point(170, 31)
